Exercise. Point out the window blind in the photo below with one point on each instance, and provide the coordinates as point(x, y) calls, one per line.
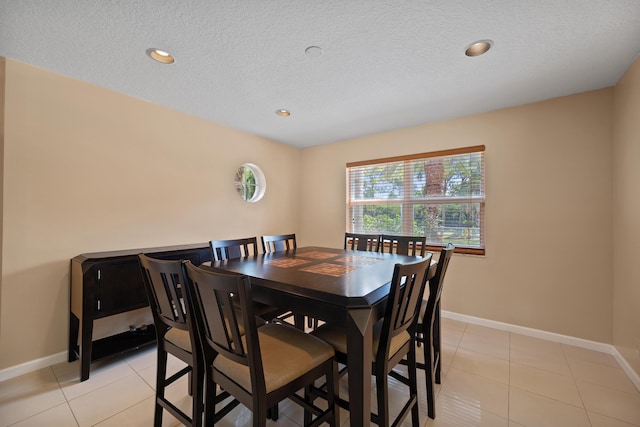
point(439, 195)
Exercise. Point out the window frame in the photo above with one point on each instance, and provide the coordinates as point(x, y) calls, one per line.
point(407, 202)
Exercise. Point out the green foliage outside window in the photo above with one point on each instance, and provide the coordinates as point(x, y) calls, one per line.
point(250, 182)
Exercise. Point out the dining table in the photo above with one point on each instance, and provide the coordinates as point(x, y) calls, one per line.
point(341, 287)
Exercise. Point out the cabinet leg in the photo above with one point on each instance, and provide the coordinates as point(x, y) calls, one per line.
point(74, 325)
point(85, 350)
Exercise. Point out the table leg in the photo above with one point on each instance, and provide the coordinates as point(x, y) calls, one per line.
point(359, 343)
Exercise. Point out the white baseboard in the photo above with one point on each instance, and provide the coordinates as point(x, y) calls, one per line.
point(633, 376)
point(550, 336)
point(34, 365)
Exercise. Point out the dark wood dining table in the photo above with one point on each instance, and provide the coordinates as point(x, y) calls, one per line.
point(342, 287)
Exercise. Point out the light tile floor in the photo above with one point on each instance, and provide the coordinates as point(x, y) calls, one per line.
point(490, 378)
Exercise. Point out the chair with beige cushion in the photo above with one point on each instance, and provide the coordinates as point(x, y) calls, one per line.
point(282, 243)
point(163, 282)
point(361, 242)
point(393, 339)
point(239, 248)
point(428, 329)
point(403, 245)
point(263, 366)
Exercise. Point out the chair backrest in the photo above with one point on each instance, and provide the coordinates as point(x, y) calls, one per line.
point(237, 248)
point(223, 312)
point(436, 282)
point(403, 245)
point(280, 243)
point(403, 303)
point(361, 242)
point(164, 282)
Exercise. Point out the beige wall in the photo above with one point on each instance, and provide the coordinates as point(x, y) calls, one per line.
point(626, 207)
point(548, 262)
point(87, 169)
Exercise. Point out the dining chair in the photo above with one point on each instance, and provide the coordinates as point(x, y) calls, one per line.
point(279, 243)
point(176, 335)
point(393, 340)
point(263, 366)
point(236, 248)
point(428, 328)
point(361, 242)
point(222, 250)
point(403, 245)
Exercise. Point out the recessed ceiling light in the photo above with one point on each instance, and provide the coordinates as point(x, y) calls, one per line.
point(161, 56)
point(283, 113)
point(478, 48)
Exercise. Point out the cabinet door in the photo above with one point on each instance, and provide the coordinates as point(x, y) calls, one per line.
point(120, 287)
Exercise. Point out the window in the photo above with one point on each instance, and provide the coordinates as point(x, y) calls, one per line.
point(250, 182)
point(439, 195)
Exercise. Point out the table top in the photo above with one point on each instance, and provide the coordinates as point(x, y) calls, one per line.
point(341, 277)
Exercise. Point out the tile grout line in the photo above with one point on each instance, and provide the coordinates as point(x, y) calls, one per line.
point(66, 402)
point(573, 377)
point(65, 396)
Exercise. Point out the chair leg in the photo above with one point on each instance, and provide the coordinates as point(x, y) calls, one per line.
point(197, 390)
point(160, 380)
point(436, 343)
point(412, 369)
point(429, 374)
point(209, 401)
point(333, 390)
point(260, 416)
point(382, 392)
point(308, 398)
point(273, 413)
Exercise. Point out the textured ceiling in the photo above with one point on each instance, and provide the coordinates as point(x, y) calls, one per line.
point(385, 64)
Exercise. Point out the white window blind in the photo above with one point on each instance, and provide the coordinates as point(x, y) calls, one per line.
point(439, 195)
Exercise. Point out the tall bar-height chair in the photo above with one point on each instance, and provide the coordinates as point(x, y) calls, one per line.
point(164, 282)
point(428, 329)
point(262, 366)
point(403, 245)
point(361, 242)
point(235, 248)
point(393, 340)
point(279, 243)
point(239, 248)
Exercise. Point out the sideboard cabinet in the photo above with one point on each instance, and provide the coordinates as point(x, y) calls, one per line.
point(108, 283)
